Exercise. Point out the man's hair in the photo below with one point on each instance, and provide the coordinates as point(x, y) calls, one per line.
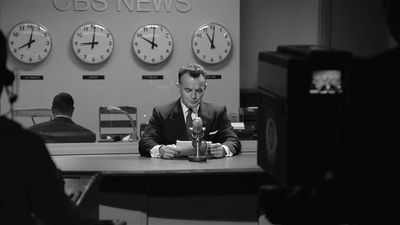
point(193, 69)
point(63, 103)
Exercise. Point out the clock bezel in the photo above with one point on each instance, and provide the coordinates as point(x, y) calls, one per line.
point(36, 24)
point(149, 62)
point(194, 37)
point(94, 24)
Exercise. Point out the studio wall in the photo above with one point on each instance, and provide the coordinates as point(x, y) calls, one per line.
point(122, 84)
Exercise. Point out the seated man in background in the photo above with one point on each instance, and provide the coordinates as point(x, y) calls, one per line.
point(171, 122)
point(61, 129)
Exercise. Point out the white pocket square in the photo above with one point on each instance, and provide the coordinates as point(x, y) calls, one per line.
point(214, 132)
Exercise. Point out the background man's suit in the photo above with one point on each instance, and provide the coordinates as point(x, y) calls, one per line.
point(64, 130)
point(167, 125)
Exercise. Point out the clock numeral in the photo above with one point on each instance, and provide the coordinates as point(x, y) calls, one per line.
point(47, 43)
point(228, 43)
point(45, 50)
point(21, 28)
point(161, 57)
point(226, 51)
point(167, 35)
point(76, 43)
point(204, 56)
point(93, 59)
point(15, 34)
point(79, 35)
point(212, 59)
point(11, 42)
point(138, 51)
point(86, 29)
point(39, 57)
point(78, 50)
point(169, 43)
point(144, 57)
point(198, 51)
point(153, 59)
point(108, 50)
point(84, 56)
point(199, 35)
point(30, 59)
point(108, 35)
point(15, 50)
point(22, 56)
point(102, 57)
point(195, 43)
point(110, 43)
point(167, 51)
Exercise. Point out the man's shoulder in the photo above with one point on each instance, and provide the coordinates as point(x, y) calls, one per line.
point(167, 107)
point(212, 107)
point(42, 125)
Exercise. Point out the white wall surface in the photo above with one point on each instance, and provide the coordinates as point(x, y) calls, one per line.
point(123, 85)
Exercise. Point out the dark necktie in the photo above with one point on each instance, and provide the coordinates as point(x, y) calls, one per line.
point(189, 123)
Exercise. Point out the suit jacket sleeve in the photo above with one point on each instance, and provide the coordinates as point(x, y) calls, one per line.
point(226, 135)
point(152, 135)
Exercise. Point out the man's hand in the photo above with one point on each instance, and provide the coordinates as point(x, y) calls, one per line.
point(168, 151)
point(216, 150)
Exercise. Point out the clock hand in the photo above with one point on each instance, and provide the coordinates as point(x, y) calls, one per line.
point(94, 32)
point(152, 43)
point(30, 39)
point(90, 43)
point(211, 41)
point(26, 44)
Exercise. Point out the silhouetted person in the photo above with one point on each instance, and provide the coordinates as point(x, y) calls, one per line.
point(30, 187)
point(371, 135)
point(61, 128)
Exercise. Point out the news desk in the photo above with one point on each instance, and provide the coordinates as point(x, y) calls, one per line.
point(143, 190)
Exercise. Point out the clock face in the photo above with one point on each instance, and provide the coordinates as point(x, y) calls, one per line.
point(211, 43)
point(92, 43)
point(152, 43)
point(29, 42)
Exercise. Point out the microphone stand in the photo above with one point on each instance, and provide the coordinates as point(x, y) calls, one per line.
point(197, 137)
point(117, 109)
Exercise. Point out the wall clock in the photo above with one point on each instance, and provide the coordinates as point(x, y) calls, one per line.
point(152, 43)
point(92, 43)
point(211, 43)
point(29, 42)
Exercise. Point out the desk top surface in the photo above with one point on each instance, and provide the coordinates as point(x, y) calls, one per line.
point(123, 158)
point(120, 164)
point(114, 148)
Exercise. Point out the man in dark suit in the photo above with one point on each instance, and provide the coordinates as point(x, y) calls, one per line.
point(170, 122)
point(30, 187)
point(61, 128)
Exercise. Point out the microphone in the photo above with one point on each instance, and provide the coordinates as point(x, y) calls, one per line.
point(117, 109)
point(197, 131)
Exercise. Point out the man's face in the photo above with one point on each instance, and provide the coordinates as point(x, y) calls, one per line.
point(192, 89)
